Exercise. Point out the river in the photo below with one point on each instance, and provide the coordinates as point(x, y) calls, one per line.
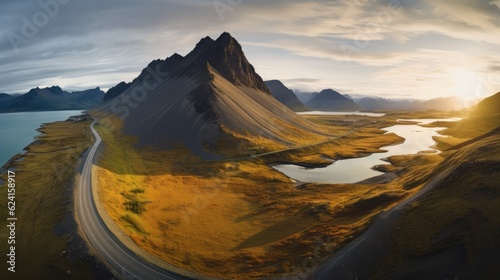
point(417, 139)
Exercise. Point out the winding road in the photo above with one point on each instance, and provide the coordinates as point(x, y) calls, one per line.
point(122, 261)
point(348, 263)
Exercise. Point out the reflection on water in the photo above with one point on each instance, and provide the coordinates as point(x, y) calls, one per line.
point(354, 170)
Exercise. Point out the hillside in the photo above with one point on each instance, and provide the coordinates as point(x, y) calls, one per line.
point(285, 95)
point(330, 100)
point(489, 106)
point(116, 90)
point(209, 98)
point(54, 98)
point(5, 100)
point(452, 103)
point(483, 118)
point(448, 229)
point(462, 237)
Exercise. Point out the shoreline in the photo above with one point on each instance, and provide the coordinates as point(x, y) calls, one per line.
point(52, 219)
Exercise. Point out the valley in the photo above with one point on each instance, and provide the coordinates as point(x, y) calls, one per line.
point(223, 217)
point(198, 168)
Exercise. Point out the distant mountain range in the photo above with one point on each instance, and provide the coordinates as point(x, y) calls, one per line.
point(441, 104)
point(51, 98)
point(303, 96)
point(209, 97)
point(331, 100)
point(285, 95)
point(54, 98)
point(234, 68)
point(5, 99)
point(387, 104)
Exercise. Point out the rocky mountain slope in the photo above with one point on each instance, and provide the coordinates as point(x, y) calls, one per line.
point(285, 95)
point(211, 96)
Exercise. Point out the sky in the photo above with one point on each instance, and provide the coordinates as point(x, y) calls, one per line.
point(387, 48)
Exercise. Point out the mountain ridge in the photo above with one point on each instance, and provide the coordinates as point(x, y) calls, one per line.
point(285, 95)
point(210, 94)
point(52, 98)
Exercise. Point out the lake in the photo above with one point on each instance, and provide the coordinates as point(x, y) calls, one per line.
point(354, 170)
point(17, 130)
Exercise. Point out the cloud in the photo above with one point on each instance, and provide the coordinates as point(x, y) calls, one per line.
point(364, 46)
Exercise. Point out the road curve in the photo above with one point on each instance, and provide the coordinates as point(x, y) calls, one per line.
point(122, 261)
point(365, 253)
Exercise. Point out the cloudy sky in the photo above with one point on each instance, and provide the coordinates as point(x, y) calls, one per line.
point(389, 48)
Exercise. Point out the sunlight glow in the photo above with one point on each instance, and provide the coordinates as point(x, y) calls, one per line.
point(464, 82)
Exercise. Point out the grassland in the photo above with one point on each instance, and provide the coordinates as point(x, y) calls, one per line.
point(240, 218)
point(47, 244)
point(454, 229)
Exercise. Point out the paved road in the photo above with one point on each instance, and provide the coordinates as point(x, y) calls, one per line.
point(131, 266)
point(362, 256)
point(104, 244)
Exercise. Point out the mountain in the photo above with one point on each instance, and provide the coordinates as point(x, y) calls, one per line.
point(376, 103)
point(5, 100)
point(86, 99)
point(489, 106)
point(483, 118)
point(303, 96)
point(285, 95)
point(210, 96)
point(440, 104)
point(115, 91)
point(54, 98)
point(330, 100)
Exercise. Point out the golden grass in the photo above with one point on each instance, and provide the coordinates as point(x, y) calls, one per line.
point(446, 142)
point(43, 195)
point(473, 127)
point(239, 219)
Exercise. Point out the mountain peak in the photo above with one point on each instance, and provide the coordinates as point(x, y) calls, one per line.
point(176, 56)
point(285, 95)
point(331, 92)
point(56, 89)
point(213, 94)
point(52, 89)
point(204, 43)
point(223, 56)
point(226, 56)
point(226, 38)
point(331, 100)
point(275, 82)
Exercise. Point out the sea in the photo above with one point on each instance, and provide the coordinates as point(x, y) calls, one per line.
point(17, 130)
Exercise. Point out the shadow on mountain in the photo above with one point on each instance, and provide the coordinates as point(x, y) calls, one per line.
point(208, 105)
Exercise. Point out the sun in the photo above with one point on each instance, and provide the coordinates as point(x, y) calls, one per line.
point(464, 82)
